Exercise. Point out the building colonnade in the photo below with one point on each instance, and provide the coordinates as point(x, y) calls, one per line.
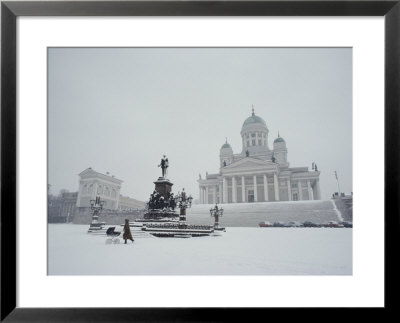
point(258, 188)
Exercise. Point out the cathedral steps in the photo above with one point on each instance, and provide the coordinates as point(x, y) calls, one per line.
point(251, 214)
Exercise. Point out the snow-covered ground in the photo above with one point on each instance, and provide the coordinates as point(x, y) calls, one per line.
point(239, 251)
point(250, 214)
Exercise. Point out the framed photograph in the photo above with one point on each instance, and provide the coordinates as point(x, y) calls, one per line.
point(242, 127)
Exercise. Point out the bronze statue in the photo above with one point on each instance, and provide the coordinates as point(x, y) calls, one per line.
point(164, 166)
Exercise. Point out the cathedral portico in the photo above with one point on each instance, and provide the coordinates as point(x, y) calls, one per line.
point(258, 174)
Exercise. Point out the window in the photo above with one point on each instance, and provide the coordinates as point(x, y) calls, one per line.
point(253, 142)
point(253, 135)
point(259, 142)
point(90, 190)
point(295, 197)
point(248, 143)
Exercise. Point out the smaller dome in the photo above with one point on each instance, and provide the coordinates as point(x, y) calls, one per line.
point(279, 139)
point(226, 145)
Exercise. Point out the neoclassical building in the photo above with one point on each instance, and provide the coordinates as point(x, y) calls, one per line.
point(257, 173)
point(92, 184)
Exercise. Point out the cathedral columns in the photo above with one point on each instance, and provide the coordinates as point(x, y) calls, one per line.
point(234, 190)
point(310, 191)
point(243, 191)
point(317, 190)
point(276, 186)
point(289, 188)
point(255, 188)
point(265, 188)
point(220, 193)
point(225, 190)
point(215, 195)
point(300, 190)
point(206, 195)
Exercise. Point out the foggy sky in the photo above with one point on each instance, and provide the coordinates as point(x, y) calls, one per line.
point(119, 110)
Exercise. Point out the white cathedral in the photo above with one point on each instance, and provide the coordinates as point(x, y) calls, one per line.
point(258, 174)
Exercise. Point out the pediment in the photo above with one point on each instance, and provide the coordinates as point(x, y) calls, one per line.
point(87, 171)
point(250, 163)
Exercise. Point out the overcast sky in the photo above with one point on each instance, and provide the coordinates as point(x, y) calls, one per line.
point(119, 110)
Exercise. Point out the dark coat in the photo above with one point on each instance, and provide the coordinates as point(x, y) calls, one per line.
point(127, 231)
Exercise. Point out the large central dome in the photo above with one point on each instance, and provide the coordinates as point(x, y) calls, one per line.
point(254, 136)
point(254, 119)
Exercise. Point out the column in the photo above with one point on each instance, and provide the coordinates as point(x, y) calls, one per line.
point(265, 187)
point(215, 195)
point(220, 192)
point(243, 191)
point(318, 190)
point(300, 190)
point(206, 199)
point(225, 190)
point(255, 188)
point(310, 191)
point(276, 186)
point(289, 189)
point(234, 190)
point(201, 194)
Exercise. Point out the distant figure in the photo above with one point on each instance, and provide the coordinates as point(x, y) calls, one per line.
point(127, 232)
point(164, 165)
point(224, 163)
point(247, 153)
point(273, 158)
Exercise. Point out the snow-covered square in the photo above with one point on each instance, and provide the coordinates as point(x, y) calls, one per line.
point(239, 251)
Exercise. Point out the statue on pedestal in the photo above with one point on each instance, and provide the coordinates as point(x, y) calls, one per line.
point(164, 165)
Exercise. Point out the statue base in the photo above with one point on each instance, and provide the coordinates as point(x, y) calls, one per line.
point(161, 214)
point(163, 186)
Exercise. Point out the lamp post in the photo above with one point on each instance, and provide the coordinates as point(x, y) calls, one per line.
point(337, 179)
point(96, 205)
point(183, 202)
point(216, 213)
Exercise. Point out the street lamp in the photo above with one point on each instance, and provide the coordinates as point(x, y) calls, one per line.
point(183, 202)
point(96, 205)
point(216, 213)
point(337, 179)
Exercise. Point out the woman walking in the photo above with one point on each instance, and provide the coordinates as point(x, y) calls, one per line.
point(127, 232)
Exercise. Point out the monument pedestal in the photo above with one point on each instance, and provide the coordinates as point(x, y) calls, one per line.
point(163, 186)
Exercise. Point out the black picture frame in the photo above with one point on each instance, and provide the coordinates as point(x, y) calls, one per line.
point(10, 10)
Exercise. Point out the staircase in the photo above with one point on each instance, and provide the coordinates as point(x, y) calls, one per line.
point(251, 214)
